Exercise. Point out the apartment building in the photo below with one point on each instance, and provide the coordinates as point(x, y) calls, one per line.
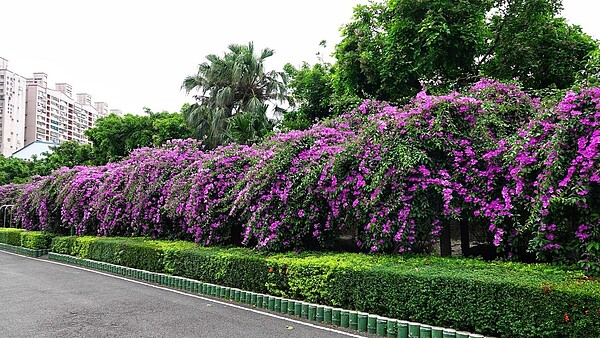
point(12, 110)
point(32, 111)
point(53, 115)
point(117, 112)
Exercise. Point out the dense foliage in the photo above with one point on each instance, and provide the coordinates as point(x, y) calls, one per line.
point(532, 43)
point(500, 299)
point(312, 92)
point(233, 96)
point(27, 239)
point(390, 177)
point(390, 47)
point(114, 137)
point(14, 170)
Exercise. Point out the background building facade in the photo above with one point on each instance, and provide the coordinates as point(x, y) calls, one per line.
point(12, 110)
point(53, 115)
point(31, 111)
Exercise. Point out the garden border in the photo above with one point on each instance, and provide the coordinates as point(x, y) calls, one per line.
point(361, 321)
point(23, 250)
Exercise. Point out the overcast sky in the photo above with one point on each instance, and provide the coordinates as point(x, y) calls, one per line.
point(132, 54)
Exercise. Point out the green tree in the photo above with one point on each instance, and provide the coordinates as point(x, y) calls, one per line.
point(590, 75)
point(312, 92)
point(167, 126)
point(234, 83)
point(536, 46)
point(66, 154)
point(14, 170)
point(114, 137)
point(248, 127)
point(391, 48)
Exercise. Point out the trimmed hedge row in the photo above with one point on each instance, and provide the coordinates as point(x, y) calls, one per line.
point(35, 240)
point(497, 298)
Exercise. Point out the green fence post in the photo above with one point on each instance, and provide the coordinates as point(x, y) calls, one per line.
point(320, 314)
point(272, 302)
point(277, 307)
point(327, 315)
point(291, 307)
point(336, 316)
point(402, 329)
point(312, 312)
point(298, 309)
point(344, 318)
point(425, 331)
point(372, 324)
point(392, 328)
point(414, 330)
point(353, 320)
point(437, 332)
point(381, 326)
point(304, 310)
point(362, 321)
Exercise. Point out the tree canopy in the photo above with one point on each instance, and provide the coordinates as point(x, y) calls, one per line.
point(391, 48)
point(312, 92)
point(114, 137)
point(532, 43)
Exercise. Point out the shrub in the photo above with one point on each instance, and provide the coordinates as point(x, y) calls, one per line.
point(497, 298)
point(390, 177)
point(64, 245)
point(28, 239)
point(234, 267)
point(11, 236)
point(36, 240)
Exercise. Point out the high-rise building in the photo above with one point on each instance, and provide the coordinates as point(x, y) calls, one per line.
point(54, 116)
point(117, 112)
point(12, 110)
point(102, 108)
point(31, 111)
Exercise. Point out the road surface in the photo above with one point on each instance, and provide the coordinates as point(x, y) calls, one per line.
point(41, 298)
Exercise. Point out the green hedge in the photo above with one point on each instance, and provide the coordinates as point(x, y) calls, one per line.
point(496, 298)
point(11, 236)
point(35, 240)
point(132, 252)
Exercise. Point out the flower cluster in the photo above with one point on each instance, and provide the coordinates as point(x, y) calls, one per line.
point(389, 177)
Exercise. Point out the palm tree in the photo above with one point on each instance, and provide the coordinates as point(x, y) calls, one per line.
point(248, 127)
point(233, 84)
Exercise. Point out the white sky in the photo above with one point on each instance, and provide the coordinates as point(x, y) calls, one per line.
point(132, 54)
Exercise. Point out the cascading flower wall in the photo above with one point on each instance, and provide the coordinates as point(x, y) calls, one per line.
point(390, 177)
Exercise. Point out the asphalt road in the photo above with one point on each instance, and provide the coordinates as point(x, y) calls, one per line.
point(41, 298)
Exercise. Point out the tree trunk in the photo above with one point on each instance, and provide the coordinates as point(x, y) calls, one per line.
point(464, 237)
point(445, 242)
